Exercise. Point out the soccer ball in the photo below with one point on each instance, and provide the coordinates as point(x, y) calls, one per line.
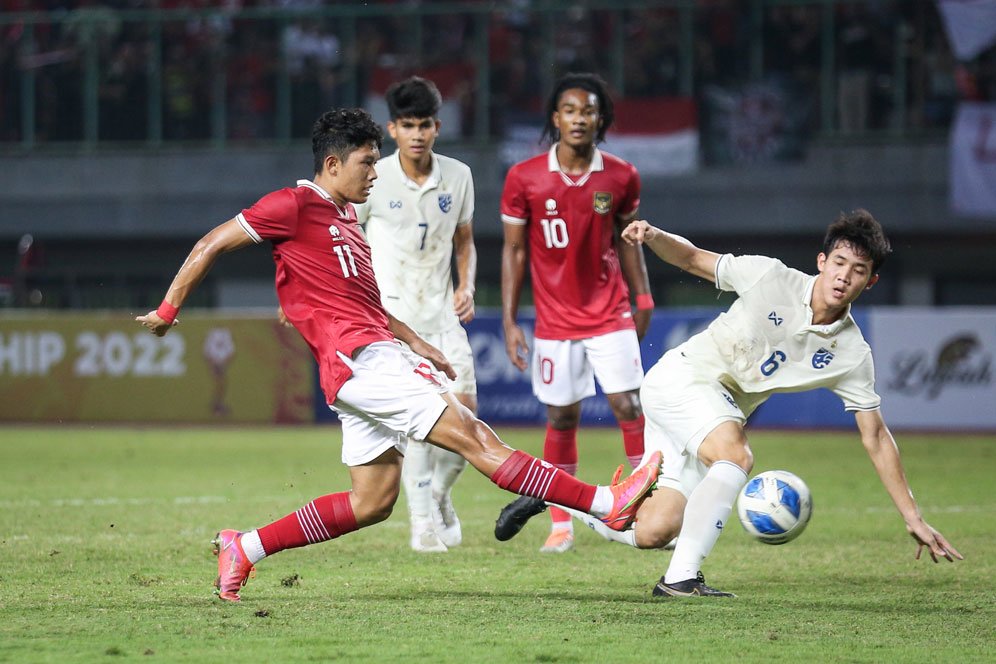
point(775, 506)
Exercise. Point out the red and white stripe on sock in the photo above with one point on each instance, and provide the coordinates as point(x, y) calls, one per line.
point(632, 433)
point(528, 476)
point(320, 520)
point(560, 447)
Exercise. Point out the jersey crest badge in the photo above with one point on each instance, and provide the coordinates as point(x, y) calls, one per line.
point(334, 230)
point(822, 358)
point(602, 202)
point(445, 202)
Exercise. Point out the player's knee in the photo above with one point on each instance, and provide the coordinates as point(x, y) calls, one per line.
point(741, 456)
point(656, 534)
point(374, 509)
point(626, 406)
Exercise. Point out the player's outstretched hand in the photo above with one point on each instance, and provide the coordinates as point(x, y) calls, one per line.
point(516, 347)
point(155, 324)
point(936, 545)
point(463, 304)
point(638, 231)
point(282, 317)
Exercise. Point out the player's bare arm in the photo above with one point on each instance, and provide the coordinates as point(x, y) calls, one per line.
point(420, 346)
point(513, 273)
point(224, 238)
point(884, 454)
point(466, 262)
point(634, 270)
point(673, 249)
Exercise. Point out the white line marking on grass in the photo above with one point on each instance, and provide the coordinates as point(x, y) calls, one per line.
point(112, 501)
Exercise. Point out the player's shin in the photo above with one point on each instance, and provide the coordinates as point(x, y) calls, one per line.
point(416, 476)
point(560, 448)
point(708, 508)
point(446, 468)
point(322, 519)
point(632, 433)
point(528, 476)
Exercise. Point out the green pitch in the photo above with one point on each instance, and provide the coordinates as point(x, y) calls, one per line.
point(104, 556)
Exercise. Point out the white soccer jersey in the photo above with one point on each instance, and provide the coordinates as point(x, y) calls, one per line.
point(766, 342)
point(410, 229)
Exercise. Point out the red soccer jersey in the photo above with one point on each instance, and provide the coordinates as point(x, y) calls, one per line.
point(578, 285)
point(325, 280)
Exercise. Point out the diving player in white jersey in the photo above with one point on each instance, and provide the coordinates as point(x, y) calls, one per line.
point(786, 332)
point(418, 216)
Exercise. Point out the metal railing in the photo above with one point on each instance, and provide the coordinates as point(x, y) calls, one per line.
point(154, 77)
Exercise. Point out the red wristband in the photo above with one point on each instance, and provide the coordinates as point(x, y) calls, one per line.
point(644, 301)
point(167, 312)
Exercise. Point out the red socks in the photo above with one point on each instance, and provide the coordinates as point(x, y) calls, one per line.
point(560, 447)
point(632, 432)
point(528, 476)
point(322, 519)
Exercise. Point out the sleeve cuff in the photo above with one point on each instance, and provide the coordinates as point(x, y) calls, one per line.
point(247, 228)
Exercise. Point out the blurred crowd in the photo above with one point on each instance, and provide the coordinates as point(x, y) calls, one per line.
point(323, 61)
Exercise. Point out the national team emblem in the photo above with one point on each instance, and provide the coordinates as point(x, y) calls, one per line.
point(334, 230)
point(445, 202)
point(603, 202)
point(822, 358)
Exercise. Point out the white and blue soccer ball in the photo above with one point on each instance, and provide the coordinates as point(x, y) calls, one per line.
point(775, 506)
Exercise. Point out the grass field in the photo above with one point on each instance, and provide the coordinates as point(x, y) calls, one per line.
point(104, 556)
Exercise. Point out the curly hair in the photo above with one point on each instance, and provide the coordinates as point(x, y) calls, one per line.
point(340, 131)
point(592, 83)
point(860, 231)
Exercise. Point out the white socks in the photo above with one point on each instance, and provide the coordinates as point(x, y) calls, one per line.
point(445, 467)
point(708, 507)
point(252, 546)
point(624, 537)
point(416, 475)
point(602, 504)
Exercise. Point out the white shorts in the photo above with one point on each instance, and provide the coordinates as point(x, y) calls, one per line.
point(392, 395)
point(455, 346)
point(681, 410)
point(564, 372)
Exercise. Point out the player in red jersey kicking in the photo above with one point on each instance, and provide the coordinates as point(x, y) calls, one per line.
point(568, 207)
point(381, 391)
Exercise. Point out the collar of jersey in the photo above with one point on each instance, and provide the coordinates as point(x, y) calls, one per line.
point(833, 327)
point(324, 194)
point(553, 164)
point(431, 183)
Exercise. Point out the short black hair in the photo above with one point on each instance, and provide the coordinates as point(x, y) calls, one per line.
point(340, 131)
point(592, 83)
point(414, 97)
point(860, 231)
